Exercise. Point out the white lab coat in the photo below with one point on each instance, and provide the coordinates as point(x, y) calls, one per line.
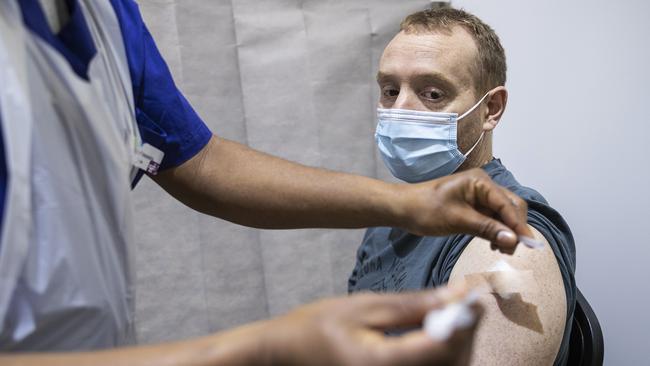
point(71, 145)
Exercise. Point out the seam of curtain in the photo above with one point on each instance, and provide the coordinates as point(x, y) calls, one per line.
point(258, 234)
point(371, 82)
point(319, 144)
point(196, 216)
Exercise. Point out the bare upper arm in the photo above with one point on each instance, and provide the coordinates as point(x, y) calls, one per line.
point(525, 328)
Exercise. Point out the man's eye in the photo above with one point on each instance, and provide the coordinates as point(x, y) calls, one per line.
point(390, 92)
point(432, 94)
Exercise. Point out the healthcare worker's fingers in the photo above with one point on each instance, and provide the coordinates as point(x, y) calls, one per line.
point(403, 310)
point(470, 203)
point(509, 207)
point(350, 331)
point(508, 219)
point(489, 228)
point(400, 311)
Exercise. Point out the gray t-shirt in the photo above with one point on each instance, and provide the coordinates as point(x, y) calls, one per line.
point(393, 260)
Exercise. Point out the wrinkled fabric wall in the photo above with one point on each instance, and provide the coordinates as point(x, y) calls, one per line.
point(292, 78)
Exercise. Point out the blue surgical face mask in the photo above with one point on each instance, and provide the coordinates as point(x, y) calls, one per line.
point(419, 145)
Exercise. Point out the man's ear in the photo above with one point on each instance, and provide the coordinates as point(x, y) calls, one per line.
point(496, 105)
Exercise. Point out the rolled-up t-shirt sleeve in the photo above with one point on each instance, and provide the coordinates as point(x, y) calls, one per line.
point(165, 118)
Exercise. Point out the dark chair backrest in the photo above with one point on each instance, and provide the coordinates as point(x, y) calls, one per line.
point(586, 346)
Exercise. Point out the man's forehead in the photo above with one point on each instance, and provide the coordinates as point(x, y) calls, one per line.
point(450, 53)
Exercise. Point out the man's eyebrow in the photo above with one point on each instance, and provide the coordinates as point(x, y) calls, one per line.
point(432, 77)
point(382, 76)
point(435, 78)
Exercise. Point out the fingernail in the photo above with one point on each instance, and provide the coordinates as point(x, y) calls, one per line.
point(506, 236)
point(530, 242)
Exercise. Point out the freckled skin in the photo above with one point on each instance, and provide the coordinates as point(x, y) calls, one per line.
point(527, 329)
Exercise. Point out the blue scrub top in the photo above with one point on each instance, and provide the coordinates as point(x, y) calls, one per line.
point(165, 118)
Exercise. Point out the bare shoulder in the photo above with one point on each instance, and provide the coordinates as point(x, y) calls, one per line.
point(525, 312)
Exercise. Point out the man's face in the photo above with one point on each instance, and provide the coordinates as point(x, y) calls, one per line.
point(433, 72)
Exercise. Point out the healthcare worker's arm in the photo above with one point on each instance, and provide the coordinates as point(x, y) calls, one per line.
point(525, 314)
point(343, 331)
point(231, 181)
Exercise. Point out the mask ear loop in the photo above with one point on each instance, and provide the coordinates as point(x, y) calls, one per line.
point(468, 112)
point(474, 107)
point(475, 145)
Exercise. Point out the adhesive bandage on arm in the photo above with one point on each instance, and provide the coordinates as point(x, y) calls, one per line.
point(503, 280)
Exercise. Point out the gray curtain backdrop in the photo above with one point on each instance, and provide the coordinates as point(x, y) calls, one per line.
point(292, 78)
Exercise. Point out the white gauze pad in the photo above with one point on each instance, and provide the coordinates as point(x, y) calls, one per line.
point(439, 324)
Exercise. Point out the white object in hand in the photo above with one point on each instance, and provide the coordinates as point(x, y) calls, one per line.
point(530, 242)
point(439, 324)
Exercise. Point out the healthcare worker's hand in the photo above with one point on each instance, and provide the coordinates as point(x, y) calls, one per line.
point(350, 331)
point(341, 331)
point(468, 202)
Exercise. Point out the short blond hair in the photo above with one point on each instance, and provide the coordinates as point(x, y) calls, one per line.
point(491, 62)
